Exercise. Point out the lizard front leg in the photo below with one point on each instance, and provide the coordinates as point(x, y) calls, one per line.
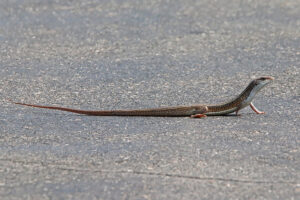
point(255, 109)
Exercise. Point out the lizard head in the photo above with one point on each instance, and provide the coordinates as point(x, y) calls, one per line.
point(259, 83)
point(255, 86)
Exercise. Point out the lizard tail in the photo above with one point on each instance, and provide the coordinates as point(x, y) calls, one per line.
point(156, 112)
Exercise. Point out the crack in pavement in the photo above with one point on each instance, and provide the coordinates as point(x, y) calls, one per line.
point(179, 176)
point(160, 174)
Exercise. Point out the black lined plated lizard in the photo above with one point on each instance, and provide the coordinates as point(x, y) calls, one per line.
point(195, 111)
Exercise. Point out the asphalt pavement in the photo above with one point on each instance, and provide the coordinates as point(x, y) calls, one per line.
point(144, 54)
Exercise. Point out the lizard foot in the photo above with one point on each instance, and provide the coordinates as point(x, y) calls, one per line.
point(198, 116)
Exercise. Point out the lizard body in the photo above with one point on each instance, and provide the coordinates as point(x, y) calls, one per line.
point(196, 111)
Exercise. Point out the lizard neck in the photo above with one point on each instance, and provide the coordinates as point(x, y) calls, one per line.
point(235, 104)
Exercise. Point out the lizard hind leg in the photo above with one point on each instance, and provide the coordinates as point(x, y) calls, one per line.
point(198, 116)
point(201, 110)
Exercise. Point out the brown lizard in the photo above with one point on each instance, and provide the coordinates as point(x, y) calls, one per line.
point(195, 111)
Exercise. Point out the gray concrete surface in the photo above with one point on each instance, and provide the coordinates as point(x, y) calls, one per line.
point(141, 54)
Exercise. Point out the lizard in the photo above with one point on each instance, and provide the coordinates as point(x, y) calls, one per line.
point(195, 111)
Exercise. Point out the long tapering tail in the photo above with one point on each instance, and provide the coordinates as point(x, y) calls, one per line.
point(155, 112)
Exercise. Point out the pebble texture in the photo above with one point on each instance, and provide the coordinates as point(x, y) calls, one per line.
point(141, 54)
